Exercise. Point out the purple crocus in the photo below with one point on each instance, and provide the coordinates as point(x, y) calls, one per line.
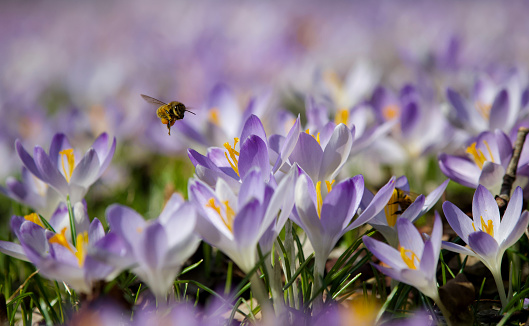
point(154, 250)
point(487, 158)
point(56, 257)
point(235, 223)
point(415, 263)
point(323, 154)
point(385, 221)
point(325, 219)
point(62, 169)
point(487, 236)
point(251, 150)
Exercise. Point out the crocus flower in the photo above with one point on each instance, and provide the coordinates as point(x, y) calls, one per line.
point(415, 263)
point(488, 157)
point(235, 223)
point(156, 249)
point(385, 221)
point(322, 155)
point(54, 255)
point(491, 106)
point(487, 236)
point(61, 170)
point(32, 192)
point(250, 150)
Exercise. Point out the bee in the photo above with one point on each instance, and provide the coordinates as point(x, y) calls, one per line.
point(168, 113)
point(404, 198)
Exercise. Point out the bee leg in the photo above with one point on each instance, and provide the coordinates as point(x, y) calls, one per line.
point(169, 128)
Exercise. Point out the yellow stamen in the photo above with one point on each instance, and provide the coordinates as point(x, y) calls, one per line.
point(487, 227)
point(409, 259)
point(390, 112)
point(317, 137)
point(214, 116)
point(234, 162)
point(139, 229)
point(70, 159)
point(319, 200)
point(329, 185)
point(33, 217)
point(477, 154)
point(230, 213)
point(483, 109)
point(82, 243)
point(342, 116)
point(392, 208)
point(60, 238)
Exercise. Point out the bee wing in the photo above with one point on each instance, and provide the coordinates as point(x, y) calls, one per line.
point(152, 100)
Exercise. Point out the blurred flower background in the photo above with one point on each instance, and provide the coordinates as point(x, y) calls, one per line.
point(413, 81)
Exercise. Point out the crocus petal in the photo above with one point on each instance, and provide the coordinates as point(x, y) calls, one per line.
point(48, 171)
point(340, 205)
point(13, 250)
point(460, 169)
point(428, 264)
point(437, 234)
point(27, 160)
point(152, 251)
point(391, 272)
point(253, 126)
point(126, 222)
point(434, 196)
point(105, 159)
point(252, 187)
point(491, 176)
point(254, 153)
point(511, 215)
point(336, 152)
point(375, 206)
point(409, 236)
point(58, 143)
point(484, 245)
point(409, 118)
point(288, 145)
point(499, 112)
point(87, 171)
point(308, 154)
point(484, 207)
point(183, 220)
point(459, 105)
point(247, 223)
point(96, 231)
point(517, 231)
point(414, 210)
point(457, 248)
point(387, 254)
point(173, 204)
point(459, 221)
point(305, 199)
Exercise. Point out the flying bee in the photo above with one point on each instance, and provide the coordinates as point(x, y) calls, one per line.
point(168, 113)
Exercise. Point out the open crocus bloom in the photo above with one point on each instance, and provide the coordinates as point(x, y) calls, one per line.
point(487, 236)
point(235, 223)
point(55, 256)
point(415, 263)
point(62, 169)
point(385, 221)
point(488, 157)
point(234, 161)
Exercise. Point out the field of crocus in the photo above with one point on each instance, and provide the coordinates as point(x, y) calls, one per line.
point(341, 163)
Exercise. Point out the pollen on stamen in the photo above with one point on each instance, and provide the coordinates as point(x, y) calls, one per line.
point(234, 162)
point(317, 137)
point(60, 238)
point(342, 116)
point(409, 258)
point(70, 160)
point(33, 217)
point(214, 116)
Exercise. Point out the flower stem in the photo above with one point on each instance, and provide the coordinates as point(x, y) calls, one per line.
point(319, 268)
point(443, 309)
point(72, 220)
point(499, 284)
point(262, 297)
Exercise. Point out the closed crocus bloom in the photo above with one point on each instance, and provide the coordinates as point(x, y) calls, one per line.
point(487, 236)
point(63, 170)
